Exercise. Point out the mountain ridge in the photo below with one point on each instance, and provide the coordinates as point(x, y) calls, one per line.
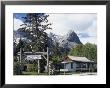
point(67, 41)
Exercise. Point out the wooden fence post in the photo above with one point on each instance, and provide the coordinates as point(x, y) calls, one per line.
point(38, 67)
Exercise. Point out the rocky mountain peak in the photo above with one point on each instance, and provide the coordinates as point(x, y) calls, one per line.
point(72, 37)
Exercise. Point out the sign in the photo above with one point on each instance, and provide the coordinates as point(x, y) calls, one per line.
point(33, 57)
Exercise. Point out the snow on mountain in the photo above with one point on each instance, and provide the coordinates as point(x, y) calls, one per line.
point(67, 41)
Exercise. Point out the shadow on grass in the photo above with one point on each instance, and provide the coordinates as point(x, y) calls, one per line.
point(33, 73)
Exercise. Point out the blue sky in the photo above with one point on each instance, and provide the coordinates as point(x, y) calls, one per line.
point(19, 15)
point(85, 25)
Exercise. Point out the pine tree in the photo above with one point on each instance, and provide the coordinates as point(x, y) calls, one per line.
point(34, 28)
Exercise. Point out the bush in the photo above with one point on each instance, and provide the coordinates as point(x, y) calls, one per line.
point(17, 68)
point(31, 67)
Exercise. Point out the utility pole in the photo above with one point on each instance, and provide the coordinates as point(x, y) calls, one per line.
point(20, 52)
point(20, 68)
point(48, 63)
point(20, 55)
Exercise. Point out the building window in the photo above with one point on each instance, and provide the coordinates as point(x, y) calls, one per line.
point(71, 65)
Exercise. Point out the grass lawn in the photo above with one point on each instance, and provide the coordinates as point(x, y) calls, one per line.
point(29, 73)
point(62, 73)
point(33, 73)
point(69, 73)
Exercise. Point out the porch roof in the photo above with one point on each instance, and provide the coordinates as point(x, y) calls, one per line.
point(80, 59)
point(75, 58)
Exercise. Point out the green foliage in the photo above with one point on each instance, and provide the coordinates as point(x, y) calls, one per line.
point(56, 50)
point(56, 55)
point(88, 50)
point(91, 51)
point(42, 64)
point(77, 50)
point(56, 59)
point(17, 68)
point(32, 67)
point(17, 47)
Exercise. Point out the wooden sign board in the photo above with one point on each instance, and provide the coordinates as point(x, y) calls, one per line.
point(33, 57)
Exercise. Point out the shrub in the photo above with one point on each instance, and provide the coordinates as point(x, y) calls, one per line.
point(17, 68)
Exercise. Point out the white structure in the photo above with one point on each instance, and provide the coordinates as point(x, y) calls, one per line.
point(73, 63)
point(33, 57)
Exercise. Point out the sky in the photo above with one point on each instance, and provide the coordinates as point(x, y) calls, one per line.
point(84, 25)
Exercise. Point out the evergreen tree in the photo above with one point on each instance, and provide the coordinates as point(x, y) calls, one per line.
point(34, 28)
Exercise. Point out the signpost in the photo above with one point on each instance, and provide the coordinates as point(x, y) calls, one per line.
point(35, 56)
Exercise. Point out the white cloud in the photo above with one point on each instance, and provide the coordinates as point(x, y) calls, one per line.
point(80, 23)
point(92, 30)
point(60, 24)
point(17, 23)
point(89, 40)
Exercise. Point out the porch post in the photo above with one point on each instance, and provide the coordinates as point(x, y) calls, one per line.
point(64, 68)
point(89, 67)
point(86, 67)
